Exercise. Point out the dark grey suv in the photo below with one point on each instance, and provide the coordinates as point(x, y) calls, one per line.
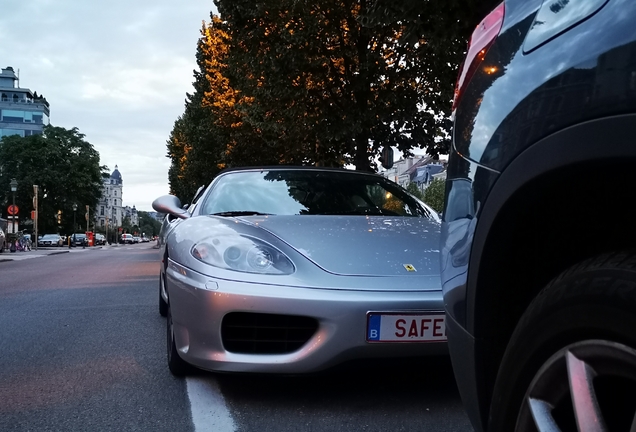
point(79, 239)
point(538, 258)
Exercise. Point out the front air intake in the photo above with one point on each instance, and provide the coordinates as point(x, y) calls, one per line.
point(255, 333)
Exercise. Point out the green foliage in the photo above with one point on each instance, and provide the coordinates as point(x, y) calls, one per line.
point(64, 166)
point(319, 83)
point(434, 195)
point(148, 225)
point(126, 225)
point(414, 190)
point(323, 89)
point(199, 138)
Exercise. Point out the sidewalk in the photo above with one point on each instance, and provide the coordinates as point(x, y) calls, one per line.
point(42, 251)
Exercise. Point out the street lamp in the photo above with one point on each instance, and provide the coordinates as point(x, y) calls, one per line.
point(14, 187)
point(74, 214)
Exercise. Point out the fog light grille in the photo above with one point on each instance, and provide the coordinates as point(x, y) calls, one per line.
point(252, 333)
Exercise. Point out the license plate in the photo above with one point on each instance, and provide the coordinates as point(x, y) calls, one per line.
point(401, 327)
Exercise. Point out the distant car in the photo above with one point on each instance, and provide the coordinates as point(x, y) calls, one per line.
point(145, 239)
point(100, 239)
point(127, 239)
point(79, 239)
point(296, 269)
point(54, 240)
point(137, 239)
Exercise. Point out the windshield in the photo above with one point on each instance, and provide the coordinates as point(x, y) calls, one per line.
point(309, 192)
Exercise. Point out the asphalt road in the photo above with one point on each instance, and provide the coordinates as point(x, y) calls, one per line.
point(82, 348)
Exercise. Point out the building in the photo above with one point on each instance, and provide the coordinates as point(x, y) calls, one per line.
point(400, 172)
point(418, 169)
point(423, 175)
point(22, 112)
point(421, 170)
point(132, 215)
point(110, 210)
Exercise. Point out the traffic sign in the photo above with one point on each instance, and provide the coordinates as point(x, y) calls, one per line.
point(13, 209)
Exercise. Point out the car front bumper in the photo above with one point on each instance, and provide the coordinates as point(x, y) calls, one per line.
point(199, 303)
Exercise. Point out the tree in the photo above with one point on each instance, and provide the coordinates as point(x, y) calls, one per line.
point(201, 137)
point(443, 28)
point(126, 225)
point(64, 166)
point(148, 225)
point(413, 189)
point(434, 194)
point(324, 89)
point(328, 83)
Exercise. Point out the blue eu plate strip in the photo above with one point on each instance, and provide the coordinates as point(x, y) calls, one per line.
point(373, 330)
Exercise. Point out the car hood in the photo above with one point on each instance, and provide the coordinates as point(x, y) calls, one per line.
point(360, 245)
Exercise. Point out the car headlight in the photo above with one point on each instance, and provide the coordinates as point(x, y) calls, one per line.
point(242, 254)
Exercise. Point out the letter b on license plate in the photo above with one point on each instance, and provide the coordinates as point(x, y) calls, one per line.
point(387, 327)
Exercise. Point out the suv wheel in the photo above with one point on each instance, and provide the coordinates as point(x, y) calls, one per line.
point(571, 361)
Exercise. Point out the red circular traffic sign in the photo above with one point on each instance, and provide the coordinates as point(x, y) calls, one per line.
point(13, 210)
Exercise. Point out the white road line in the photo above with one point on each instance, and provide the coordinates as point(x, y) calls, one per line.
point(209, 412)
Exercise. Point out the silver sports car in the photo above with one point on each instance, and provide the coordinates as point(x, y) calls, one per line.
point(296, 269)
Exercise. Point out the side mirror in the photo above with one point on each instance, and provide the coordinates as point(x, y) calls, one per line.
point(386, 157)
point(171, 205)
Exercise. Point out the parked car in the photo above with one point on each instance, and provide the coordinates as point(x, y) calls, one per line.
point(79, 239)
point(100, 239)
point(314, 266)
point(538, 287)
point(3, 241)
point(127, 239)
point(136, 239)
point(50, 240)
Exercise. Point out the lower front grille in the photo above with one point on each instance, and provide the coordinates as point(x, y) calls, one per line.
point(253, 333)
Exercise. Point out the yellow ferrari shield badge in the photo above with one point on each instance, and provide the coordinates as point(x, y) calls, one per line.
point(409, 267)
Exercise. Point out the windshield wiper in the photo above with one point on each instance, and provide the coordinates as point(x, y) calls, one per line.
point(240, 213)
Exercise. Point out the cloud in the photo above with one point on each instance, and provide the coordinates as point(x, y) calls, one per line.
point(117, 70)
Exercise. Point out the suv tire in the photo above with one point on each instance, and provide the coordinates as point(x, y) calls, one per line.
point(583, 321)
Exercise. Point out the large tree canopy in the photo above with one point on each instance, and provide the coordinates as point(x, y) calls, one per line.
point(64, 166)
point(324, 83)
point(202, 136)
point(324, 89)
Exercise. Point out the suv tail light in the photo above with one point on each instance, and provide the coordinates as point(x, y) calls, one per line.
point(480, 41)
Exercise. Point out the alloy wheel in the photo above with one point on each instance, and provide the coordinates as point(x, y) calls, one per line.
point(589, 386)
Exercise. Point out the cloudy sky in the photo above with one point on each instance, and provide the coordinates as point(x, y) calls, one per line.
point(118, 70)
